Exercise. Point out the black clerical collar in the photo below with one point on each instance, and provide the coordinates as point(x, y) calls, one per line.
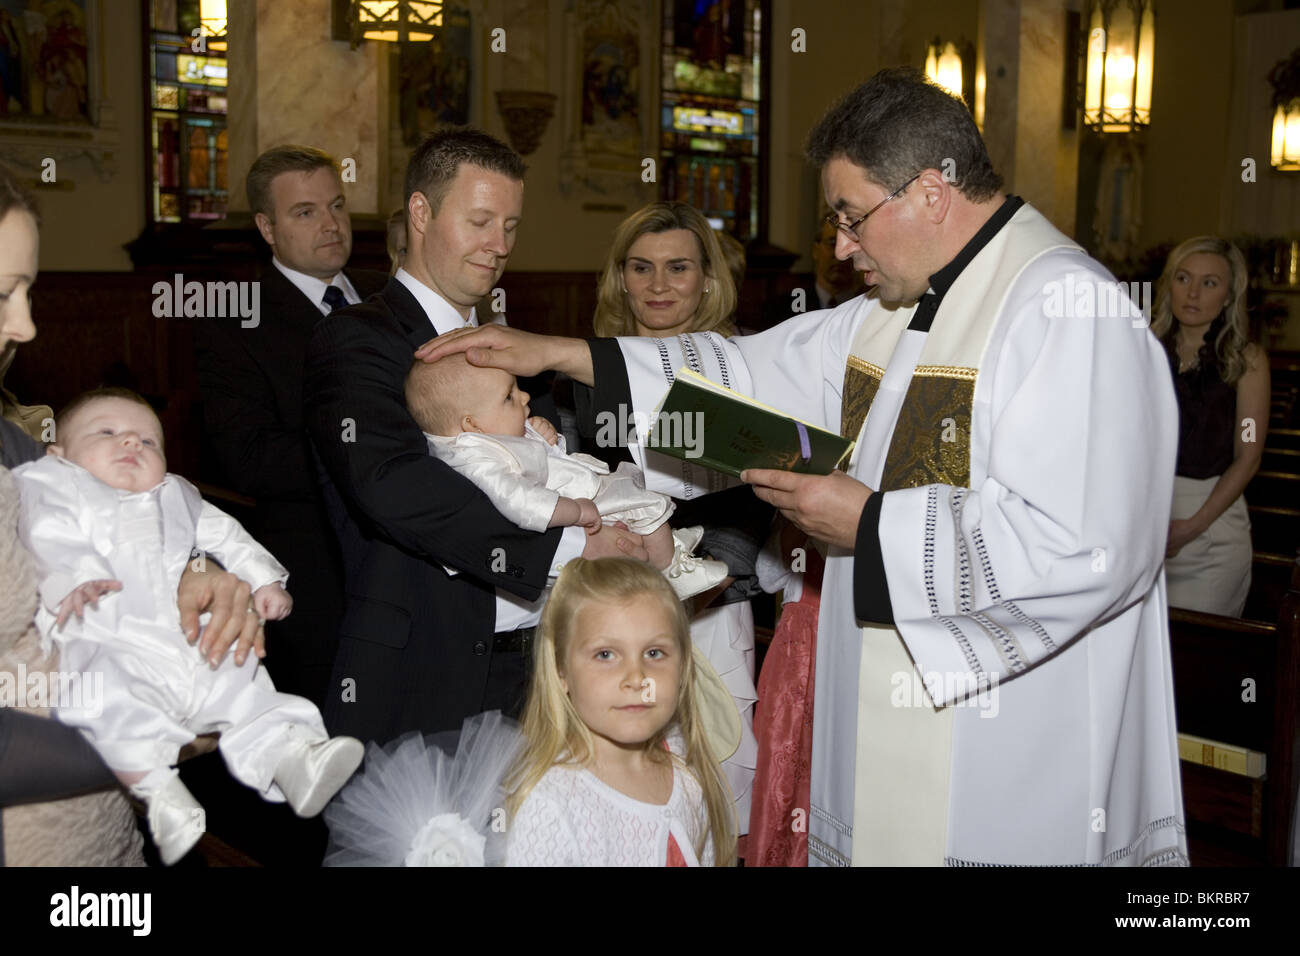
point(942, 280)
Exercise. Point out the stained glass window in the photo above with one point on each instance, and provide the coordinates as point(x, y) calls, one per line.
point(710, 108)
point(187, 106)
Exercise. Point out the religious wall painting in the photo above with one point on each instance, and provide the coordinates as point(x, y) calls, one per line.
point(604, 107)
point(46, 57)
point(610, 72)
point(435, 78)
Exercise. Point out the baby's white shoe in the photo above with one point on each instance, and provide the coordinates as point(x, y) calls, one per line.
point(688, 539)
point(176, 819)
point(312, 771)
point(689, 574)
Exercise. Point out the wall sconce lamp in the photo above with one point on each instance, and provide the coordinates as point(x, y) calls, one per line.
point(1119, 62)
point(1285, 79)
point(952, 66)
point(389, 21)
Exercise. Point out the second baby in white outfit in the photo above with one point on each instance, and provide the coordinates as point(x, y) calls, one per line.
point(112, 532)
point(476, 420)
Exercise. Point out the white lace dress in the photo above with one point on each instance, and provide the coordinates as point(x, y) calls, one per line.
point(572, 818)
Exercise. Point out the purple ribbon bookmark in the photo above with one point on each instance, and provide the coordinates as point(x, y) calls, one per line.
point(805, 446)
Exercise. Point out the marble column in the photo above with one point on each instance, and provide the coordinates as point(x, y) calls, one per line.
point(292, 83)
point(1022, 46)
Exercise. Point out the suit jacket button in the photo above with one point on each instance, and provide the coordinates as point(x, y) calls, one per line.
point(480, 648)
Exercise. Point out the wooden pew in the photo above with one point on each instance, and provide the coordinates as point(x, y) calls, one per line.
point(1270, 578)
point(1274, 530)
point(1274, 489)
point(1213, 659)
point(1285, 460)
point(1283, 438)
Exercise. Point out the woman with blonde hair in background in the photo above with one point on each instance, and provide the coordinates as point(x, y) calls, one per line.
point(1221, 379)
point(666, 276)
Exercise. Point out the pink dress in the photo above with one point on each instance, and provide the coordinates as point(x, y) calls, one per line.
point(778, 822)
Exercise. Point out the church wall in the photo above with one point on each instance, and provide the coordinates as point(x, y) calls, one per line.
point(1187, 145)
point(94, 206)
point(344, 100)
point(310, 89)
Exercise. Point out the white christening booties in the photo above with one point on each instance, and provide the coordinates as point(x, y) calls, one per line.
point(312, 771)
point(176, 819)
point(688, 574)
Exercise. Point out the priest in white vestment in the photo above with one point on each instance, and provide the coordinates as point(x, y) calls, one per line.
point(993, 679)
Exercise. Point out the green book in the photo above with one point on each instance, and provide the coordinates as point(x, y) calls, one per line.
point(706, 424)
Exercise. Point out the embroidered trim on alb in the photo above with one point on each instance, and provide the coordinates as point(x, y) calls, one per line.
point(995, 595)
point(1171, 856)
point(825, 853)
point(688, 490)
point(1033, 625)
point(664, 360)
point(927, 554)
point(1166, 856)
point(832, 821)
point(990, 582)
point(721, 357)
point(956, 501)
point(931, 522)
point(1011, 652)
point(1145, 832)
point(688, 350)
point(716, 479)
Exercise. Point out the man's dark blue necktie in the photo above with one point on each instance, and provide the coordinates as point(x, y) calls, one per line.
point(334, 298)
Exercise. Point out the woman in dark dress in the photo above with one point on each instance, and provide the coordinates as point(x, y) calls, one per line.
point(1221, 379)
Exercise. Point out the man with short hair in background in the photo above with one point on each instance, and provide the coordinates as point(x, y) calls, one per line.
point(833, 281)
point(251, 381)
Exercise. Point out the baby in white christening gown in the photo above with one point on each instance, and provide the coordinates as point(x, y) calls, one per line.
point(476, 420)
point(112, 532)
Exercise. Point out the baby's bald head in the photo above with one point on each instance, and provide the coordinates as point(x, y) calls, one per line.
point(451, 396)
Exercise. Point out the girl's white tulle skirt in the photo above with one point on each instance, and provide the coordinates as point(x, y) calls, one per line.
point(414, 805)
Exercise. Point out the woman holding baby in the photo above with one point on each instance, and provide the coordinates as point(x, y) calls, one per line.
point(61, 805)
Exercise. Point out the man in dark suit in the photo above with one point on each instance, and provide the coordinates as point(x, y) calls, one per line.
point(442, 591)
point(833, 282)
point(251, 379)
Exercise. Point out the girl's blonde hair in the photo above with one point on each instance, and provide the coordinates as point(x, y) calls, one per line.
point(1233, 338)
point(556, 734)
point(614, 315)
